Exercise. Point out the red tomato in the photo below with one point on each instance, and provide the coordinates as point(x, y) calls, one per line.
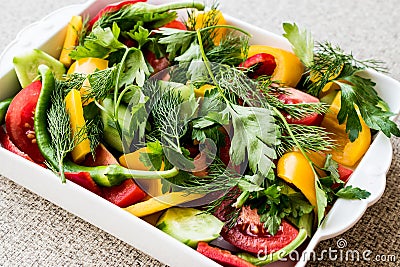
point(125, 194)
point(157, 63)
point(261, 64)
point(223, 257)
point(19, 121)
point(344, 173)
point(7, 144)
point(175, 24)
point(294, 96)
point(103, 157)
point(250, 235)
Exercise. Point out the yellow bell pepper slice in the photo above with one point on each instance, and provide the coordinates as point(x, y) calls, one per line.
point(289, 68)
point(201, 22)
point(87, 66)
point(347, 153)
point(74, 108)
point(160, 203)
point(295, 169)
point(71, 39)
point(200, 92)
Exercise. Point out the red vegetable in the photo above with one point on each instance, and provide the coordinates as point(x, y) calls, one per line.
point(294, 96)
point(103, 157)
point(175, 24)
point(261, 64)
point(112, 8)
point(156, 63)
point(7, 144)
point(250, 235)
point(85, 180)
point(344, 173)
point(223, 257)
point(125, 194)
point(19, 121)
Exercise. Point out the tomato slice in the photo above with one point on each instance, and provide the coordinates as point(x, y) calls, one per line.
point(250, 235)
point(294, 96)
point(260, 64)
point(223, 257)
point(19, 121)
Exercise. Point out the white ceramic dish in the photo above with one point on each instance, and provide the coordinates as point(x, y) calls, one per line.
point(370, 173)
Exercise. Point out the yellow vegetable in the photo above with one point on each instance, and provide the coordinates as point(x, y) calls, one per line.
point(289, 68)
point(201, 22)
point(295, 169)
point(71, 39)
point(347, 153)
point(200, 92)
point(87, 66)
point(160, 203)
point(74, 108)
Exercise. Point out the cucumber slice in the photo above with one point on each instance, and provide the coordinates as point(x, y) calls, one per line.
point(26, 66)
point(189, 225)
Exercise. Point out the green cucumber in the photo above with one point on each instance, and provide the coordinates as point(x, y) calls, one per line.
point(189, 225)
point(26, 66)
point(110, 132)
point(185, 91)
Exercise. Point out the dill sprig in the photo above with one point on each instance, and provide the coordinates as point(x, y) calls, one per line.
point(63, 141)
point(101, 83)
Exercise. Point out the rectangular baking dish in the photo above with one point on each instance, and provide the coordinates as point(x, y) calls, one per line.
point(370, 173)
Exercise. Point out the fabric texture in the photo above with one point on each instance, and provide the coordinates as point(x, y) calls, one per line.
point(34, 232)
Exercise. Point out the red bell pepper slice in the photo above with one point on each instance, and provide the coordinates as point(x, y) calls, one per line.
point(125, 194)
point(112, 8)
point(85, 180)
point(223, 257)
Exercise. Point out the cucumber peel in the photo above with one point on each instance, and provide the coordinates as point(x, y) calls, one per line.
point(26, 66)
point(190, 225)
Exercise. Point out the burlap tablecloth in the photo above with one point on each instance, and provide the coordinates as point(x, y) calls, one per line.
point(34, 232)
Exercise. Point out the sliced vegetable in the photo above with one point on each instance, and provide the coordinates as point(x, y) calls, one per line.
point(189, 225)
point(6, 143)
point(132, 160)
point(200, 92)
point(260, 64)
point(26, 66)
point(294, 169)
point(160, 203)
point(125, 194)
point(71, 39)
point(347, 153)
point(294, 96)
point(102, 157)
point(250, 235)
point(87, 66)
point(20, 122)
point(223, 257)
point(83, 179)
point(73, 104)
point(289, 68)
point(209, 18)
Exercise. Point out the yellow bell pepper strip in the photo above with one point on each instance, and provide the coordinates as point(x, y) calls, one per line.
point(346, 152)
point(87, 66)
point(203, 20)
point(289, 68)
point(71, 39)
point(160, 203)
point(73, 104)
point(201, 91)
point(295, 169)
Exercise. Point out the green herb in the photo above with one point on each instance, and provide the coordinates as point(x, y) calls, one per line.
point(302, 42)
point(350, 192)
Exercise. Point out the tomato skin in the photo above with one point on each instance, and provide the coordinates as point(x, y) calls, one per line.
point(125, 194)
point(157, 64)
point(19, 121)
point(294, 96)
point(244, 236)
point(175, 24)
point(262, 63)
point(223, 257)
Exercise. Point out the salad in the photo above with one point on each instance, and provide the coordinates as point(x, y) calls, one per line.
point(236, 150)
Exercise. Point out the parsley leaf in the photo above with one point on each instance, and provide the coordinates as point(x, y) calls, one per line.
point(134, 68)
point(350, 192)
point(177, 41)
point(302, 42)
point(154, 156)
point(255, 137)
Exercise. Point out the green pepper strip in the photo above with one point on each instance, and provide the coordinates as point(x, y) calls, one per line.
point(3, 108)
point(142, 8)
point(102, 175)
point(300, 238)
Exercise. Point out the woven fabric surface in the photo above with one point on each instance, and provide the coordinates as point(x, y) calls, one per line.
point(35, 232)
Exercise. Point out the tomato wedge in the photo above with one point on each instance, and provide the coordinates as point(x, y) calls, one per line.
point(294, 96)
point(19, 121)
